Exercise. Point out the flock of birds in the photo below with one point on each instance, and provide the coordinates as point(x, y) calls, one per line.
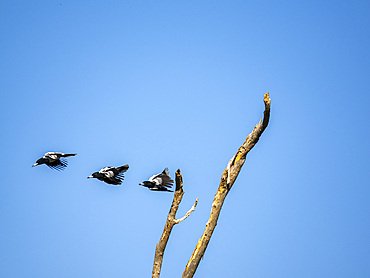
point(110, 175)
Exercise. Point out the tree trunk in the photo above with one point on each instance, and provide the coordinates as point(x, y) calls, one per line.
point(227, 180)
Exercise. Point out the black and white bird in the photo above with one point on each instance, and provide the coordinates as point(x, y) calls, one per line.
point(111, 175)
point(159, 182)
point(54, 160)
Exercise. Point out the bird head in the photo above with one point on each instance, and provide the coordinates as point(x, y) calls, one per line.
point(40, 161)
point(95, 175)
point(146, 184)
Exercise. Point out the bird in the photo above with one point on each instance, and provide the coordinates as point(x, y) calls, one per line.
point(54, 160)
point(110, 175)
point(159, 182)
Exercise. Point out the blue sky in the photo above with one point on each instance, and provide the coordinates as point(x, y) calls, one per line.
point(180, 84)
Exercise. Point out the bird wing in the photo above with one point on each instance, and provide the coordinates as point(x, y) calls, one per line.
point(57, 164)
point(57, 155)
point(162, 179)
point(155, 178)
point(166, 181)
point(53, 155)
point(68, 154)
point(112, 175)
point(105, 169)
point(122, 169)
point(108, 171)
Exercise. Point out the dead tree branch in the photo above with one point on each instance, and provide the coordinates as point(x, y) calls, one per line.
point(227, 180)
point(171, 221)
point(177, 221)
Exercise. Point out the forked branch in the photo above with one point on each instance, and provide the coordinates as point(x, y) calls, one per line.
point(227, 180)
point(171, 221)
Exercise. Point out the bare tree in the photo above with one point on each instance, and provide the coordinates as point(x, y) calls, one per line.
point(171, 221)
point(227, 180)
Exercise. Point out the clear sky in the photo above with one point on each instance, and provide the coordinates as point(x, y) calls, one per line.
point(180, 84)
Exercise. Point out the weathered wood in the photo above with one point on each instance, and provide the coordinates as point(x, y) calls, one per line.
point(171, 221)
point(227, 180)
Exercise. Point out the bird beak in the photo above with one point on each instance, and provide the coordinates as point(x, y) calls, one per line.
point(35, 164)
point(90, 177)
point(141, 183)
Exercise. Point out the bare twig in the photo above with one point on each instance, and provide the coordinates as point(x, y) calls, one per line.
point(227, 180)
point(188, 213)
point(171, 221)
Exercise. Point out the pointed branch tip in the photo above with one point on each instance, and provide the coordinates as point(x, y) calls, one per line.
point(267, 99)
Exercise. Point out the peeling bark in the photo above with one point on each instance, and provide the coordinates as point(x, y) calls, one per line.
point(171, 221)
point(227, 180)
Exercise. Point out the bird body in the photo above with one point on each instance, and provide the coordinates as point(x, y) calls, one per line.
point(54, 160)
point(159, 182)
point(111, 175)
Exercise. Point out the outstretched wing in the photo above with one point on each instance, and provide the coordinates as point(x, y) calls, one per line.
point(120, 172)
point(58, 164)
point(68, 154)
point(122, 169)
point(53, 155)
point(57, 155)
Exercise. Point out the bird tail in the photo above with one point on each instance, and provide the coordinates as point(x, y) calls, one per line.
point(123, 168)
point(69, 154)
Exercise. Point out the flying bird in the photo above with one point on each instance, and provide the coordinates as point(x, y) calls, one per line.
point(110, 175)
point(54, 160)
point(159, 182)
